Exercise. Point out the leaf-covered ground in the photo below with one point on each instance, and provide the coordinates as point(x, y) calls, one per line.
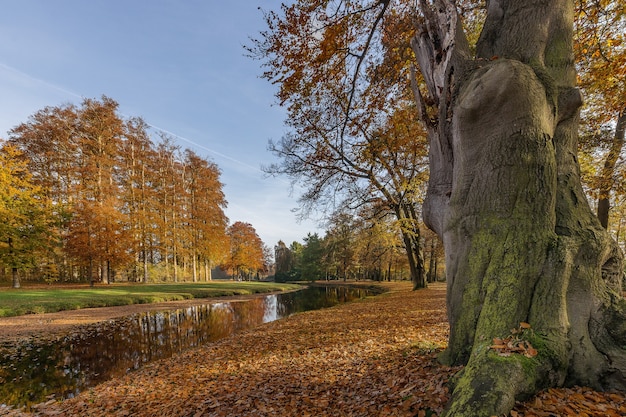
point(374, 357)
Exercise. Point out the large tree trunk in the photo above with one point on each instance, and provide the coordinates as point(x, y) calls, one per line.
point(521, 242)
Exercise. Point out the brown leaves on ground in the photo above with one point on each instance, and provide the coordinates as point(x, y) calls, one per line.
point(515, 343)
point(577, 401)
point(374, 357)
point(370, 357)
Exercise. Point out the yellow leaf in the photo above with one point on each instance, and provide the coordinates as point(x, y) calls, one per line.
point(524, 325)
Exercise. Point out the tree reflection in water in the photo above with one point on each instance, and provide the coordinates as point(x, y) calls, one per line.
point(34, 370)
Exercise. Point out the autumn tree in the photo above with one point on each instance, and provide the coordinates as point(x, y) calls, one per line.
point(73, 153)
point(138, 176)
point(504, 192)
point(99, 134)
point(505, 195)
point(26, 227)
point(118, 199)
point(206, 219)
point(49, 146)
point(284, 260)
point(600, 48)
point(168, 188)
point(378, 246)
point(246, 258)
point(339, 246)
point(348, 145)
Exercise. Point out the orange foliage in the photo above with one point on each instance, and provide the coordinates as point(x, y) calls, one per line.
point(247, 256)
point(119, 200)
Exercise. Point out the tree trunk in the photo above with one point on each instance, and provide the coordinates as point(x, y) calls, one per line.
point(104, 272)
point(207, 270)
point(175, 265)
point(606, 179)
point(431, 265)
point(90, 272)
point(15, 278)
point(194, 267)
point(409, 229)
point(144, 262)
point(521, 242)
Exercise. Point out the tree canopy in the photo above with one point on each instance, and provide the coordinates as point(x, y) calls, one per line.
point(247, 255)
point(342, 70)
point(118, 205)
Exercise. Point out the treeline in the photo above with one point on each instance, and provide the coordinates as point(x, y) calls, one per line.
point(89, 196)
point(356, 248)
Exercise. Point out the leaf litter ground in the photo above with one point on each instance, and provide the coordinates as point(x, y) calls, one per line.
point(373, 357)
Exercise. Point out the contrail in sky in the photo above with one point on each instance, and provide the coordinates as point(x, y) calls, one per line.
point(38, 80)
point(221, 155)
point(73, 94)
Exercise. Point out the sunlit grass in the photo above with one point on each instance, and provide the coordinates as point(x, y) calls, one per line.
point(15, 302)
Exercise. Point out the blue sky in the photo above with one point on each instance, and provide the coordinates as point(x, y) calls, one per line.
point(179, 64)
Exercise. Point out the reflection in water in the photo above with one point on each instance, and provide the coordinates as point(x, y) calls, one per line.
point(34, 371)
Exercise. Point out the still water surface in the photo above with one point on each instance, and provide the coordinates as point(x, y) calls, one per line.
point(36, 370)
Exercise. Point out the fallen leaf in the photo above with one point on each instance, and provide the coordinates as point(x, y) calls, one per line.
point(370, 358)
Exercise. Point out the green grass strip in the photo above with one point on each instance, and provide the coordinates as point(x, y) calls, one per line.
point(16, 302)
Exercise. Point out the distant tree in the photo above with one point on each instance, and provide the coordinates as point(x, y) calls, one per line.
point(600, 47)
point(26, 226)
point(206, 219)
point(246, 257)
point(284, 261)
point(433, 253)
point(378, 244)
point(339, 247)
point(138, 177)
point(312, 267)
point(296, 249)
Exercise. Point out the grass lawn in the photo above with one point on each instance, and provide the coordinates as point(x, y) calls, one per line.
point(15, 302)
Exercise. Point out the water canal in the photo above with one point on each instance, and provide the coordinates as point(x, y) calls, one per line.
point(36, 371)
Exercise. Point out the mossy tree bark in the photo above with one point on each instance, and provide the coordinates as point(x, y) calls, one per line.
point(522, 244)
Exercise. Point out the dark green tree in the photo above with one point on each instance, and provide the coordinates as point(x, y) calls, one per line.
point(312, 267)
